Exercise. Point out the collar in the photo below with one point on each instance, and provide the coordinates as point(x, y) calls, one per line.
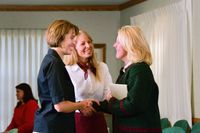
point(54, 53)
point(126, 66)
point(83, 66)
point(74, 67)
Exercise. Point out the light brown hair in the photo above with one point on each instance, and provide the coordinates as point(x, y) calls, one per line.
point(56, 32)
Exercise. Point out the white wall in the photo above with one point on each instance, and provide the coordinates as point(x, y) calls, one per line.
point(101, 25)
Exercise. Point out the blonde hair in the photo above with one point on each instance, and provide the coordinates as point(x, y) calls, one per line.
point(73, 58)
point(56, 32)
point(134, 42)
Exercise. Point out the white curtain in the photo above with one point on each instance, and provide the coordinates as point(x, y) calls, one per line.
point(167, 32)
point(21, 52)
point(196, 59)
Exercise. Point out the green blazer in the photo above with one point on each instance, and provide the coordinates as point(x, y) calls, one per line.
point(138, 112)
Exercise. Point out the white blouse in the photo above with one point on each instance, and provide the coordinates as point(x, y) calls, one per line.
point(90, 88)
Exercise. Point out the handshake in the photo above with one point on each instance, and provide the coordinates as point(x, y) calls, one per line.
point(91, 106)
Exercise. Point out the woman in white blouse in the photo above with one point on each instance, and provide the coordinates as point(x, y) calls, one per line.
point(90, 79)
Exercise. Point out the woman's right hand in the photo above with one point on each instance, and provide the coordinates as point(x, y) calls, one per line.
point(87, 108)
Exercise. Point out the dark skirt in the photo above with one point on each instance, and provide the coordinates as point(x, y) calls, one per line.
point(92, 124)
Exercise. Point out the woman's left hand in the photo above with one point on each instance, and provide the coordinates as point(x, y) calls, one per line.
point(108, 96)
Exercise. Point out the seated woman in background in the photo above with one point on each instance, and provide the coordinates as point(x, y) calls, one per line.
point(24, 111)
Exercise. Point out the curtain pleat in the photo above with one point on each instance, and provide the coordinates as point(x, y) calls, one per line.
point(21, 53)
point(167, 32)
point(195, 55)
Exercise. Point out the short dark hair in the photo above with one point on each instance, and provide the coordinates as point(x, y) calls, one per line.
point(28, 95)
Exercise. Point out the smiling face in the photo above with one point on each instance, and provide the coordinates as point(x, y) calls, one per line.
point(20, 94)
point(84, 47)
point(67, 44)
point(121, 53)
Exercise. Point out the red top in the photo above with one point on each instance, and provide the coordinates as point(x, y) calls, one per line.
point(23, 117)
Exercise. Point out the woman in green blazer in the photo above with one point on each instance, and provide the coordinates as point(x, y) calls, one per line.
point(139, 111)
